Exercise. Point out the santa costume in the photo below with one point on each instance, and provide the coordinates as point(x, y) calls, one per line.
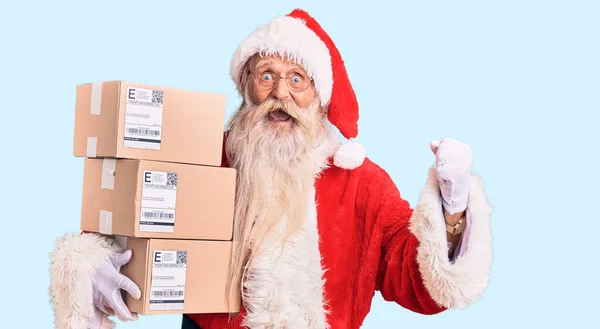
point(359, 236)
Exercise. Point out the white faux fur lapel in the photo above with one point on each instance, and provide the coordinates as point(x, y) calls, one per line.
point(284, 288)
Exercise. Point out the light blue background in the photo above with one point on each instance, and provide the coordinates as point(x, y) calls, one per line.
point(517, 80)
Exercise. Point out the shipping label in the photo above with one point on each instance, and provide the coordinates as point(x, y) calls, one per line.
point(143, 118)
point(159, 198)
point(167, 289)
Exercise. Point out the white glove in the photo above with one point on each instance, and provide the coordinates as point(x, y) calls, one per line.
point(106, 290)
point(453, 163)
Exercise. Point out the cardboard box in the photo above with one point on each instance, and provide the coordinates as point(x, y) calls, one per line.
point(154, 199)
point(126, 120)
point(180, 276)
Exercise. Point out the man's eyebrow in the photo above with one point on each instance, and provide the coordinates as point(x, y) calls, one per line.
point(263, 62)
point(270, 63)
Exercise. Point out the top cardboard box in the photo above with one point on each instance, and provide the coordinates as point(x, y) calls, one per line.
point(119, 119)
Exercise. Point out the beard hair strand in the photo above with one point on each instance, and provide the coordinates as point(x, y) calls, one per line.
point(274, 173)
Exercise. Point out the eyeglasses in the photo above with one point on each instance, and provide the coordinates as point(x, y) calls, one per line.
point(265, 78)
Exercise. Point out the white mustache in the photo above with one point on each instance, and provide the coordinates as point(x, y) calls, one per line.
point(289, 107)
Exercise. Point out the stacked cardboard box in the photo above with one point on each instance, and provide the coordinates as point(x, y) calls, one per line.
point(152, 178)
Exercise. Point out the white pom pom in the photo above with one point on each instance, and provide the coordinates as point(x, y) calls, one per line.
point(350, 155)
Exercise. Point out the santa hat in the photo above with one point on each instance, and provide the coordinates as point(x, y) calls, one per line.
point(299, 36)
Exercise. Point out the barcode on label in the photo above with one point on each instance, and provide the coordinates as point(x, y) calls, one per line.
point(143, 131)
point(182, 257)
point(169, 293)
point(157, 96)
point(147, 214)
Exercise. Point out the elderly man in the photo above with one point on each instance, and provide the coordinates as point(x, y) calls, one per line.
point(319, 228)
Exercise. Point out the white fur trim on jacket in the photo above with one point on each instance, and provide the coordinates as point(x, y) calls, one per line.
point(73, 265)
point(288, 36)
point(285, 287)
point(460, 283)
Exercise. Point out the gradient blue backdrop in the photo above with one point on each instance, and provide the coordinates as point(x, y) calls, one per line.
point(517, 80)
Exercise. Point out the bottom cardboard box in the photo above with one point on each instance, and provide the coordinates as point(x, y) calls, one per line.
point(179, 276)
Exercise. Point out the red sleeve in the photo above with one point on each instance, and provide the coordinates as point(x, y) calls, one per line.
point(398, 277)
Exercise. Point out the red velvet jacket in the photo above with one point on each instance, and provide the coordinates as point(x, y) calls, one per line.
point(365, 244)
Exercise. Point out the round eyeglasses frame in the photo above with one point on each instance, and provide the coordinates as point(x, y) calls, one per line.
point(272, 83)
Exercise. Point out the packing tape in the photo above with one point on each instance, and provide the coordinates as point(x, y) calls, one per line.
point(96, 103)
point(108, 174)
point(105, 222)
point(92, 144)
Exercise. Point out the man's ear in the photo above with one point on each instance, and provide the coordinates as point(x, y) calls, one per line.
point(322, 108)
point(245, 76)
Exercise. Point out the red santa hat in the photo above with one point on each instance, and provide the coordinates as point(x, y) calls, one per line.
point(299, 37)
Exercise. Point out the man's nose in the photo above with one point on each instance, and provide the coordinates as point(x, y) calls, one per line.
point(281, 90)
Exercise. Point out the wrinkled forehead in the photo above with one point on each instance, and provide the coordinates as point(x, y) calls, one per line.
point(277, 62)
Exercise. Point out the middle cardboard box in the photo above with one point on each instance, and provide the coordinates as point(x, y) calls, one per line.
point(155, 199)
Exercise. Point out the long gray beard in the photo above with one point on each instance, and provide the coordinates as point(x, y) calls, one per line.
point(274, 170)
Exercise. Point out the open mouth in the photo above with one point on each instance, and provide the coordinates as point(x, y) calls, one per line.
point(279, 116)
